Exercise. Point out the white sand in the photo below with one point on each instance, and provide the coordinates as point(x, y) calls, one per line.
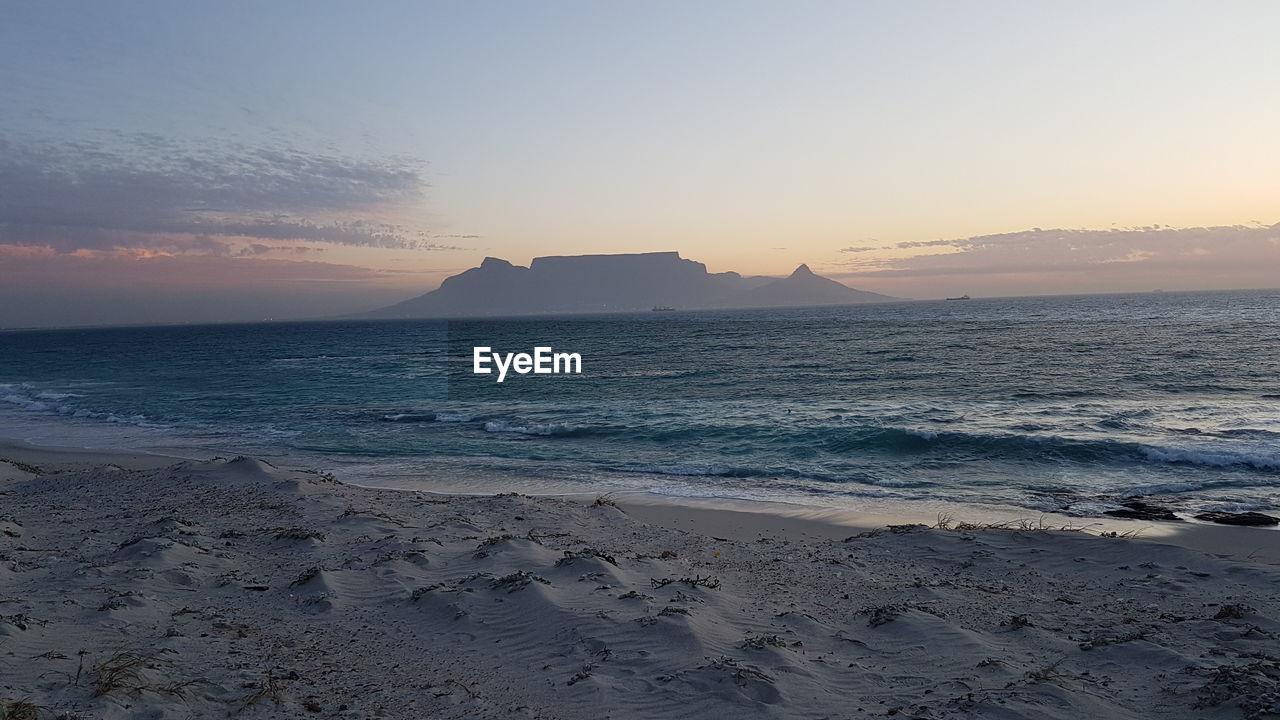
point(209, 589)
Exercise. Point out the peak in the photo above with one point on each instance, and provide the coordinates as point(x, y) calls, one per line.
point(492, 262)
point(802, 272)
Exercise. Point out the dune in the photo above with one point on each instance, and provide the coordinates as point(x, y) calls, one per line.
point(143, 587)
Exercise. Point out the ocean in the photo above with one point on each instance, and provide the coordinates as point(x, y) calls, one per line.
point(1045, 403)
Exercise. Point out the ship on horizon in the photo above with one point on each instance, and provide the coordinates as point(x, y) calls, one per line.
point(962, 297)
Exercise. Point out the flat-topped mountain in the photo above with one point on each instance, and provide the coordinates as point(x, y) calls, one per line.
point(615, 283)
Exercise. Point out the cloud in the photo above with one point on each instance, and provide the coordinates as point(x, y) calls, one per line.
point(47, 288)
point(149, 192)
point(1075, 251)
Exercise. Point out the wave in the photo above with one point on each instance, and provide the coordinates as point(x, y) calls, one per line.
point(1268, 461)
point(680, 470)
point(23, 401)
point(427, 417)
point(410, 417)
point(1044, 448)
point(1249, 433)
point(546, 429)
point(23, 397)
point(797, 480)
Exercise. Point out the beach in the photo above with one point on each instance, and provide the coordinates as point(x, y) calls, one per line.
point(138, 585)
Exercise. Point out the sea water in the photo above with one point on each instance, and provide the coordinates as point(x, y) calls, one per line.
point(1045, 403)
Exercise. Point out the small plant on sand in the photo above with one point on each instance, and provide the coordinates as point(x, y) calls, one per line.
point(268, 689)
point(483, 549)
point(517, 580)
point(946, 522)
point(24, 467)
point(605, 500)
point(19, 710)
point(672, 610)
point(1040, 675)
point(494, 540)
point(695, 581)
point(571, 556)
point(118, 672)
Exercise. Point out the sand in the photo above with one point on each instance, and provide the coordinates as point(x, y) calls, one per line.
point(134, 586)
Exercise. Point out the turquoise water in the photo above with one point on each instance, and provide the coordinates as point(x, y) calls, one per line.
point(1040, 402)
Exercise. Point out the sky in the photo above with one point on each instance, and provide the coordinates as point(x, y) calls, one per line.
point(209, 161)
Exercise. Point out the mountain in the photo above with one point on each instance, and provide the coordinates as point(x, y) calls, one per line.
point(800, 288)
point(614, 283)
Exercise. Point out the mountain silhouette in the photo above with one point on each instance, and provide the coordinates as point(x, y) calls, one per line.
point(803, 287)
point(615, 283)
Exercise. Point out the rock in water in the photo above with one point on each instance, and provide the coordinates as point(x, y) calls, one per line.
point(1251, 519)
point(1141, 510)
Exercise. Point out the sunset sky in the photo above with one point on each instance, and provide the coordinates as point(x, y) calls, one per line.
point(202, 161)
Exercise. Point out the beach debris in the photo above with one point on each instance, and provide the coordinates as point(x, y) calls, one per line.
point(267, 689)
point(420, 591)
point(760, 642)
point(581, 675)
point(1246, 519)
point(1233, 611)
point(633, 595)
point(570, 556)
point(10, 526)
point(518, 580)
point(695, 581)
point(297, 533)
point(881, 614)
point(891, 529)
point(24, 467)
point(307, 576)
point(668, 555)
point(1254, 688)
point(21, 620)
point(1040, 675)
point(482, 550)
point(672, 610)
point(539, 537)
point(1113, 640)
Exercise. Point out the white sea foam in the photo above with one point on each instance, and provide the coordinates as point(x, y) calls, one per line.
point(1261, 460)
point(545, 429)
point(679, 470)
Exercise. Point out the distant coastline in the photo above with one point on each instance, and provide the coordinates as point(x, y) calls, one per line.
point(658, 281)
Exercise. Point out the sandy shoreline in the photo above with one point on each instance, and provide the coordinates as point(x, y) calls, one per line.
point(135, 586)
